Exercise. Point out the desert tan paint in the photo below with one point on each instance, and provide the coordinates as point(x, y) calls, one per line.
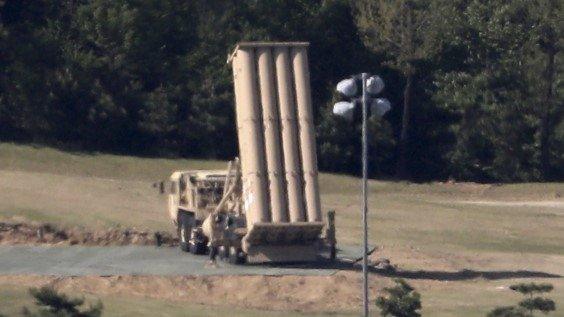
point(306, 133)
point(271, 123)
point(251, 143)
point(290, 138)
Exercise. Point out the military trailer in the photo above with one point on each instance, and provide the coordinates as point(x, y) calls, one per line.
point(265, 207)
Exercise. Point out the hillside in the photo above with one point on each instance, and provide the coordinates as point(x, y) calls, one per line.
point(432, 231)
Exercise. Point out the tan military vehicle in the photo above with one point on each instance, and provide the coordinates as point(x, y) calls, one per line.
point(265, 207)
point(205, 207)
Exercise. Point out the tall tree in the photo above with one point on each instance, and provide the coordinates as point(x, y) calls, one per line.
point(27, 59)
point(488, 91)
point(549, 41)
point(477, 83)
point(133, 55)
point(399, 31)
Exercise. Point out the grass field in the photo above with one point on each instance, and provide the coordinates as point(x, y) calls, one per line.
point(13, 298)
point(436, 230)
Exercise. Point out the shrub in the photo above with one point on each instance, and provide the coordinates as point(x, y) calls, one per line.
point(54, 304)
point(527, 306)
point(402, 301)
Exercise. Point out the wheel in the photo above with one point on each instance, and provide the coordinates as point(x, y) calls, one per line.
point(185, 222)
point(223, 253)
point(197, 248)
point(236, 256)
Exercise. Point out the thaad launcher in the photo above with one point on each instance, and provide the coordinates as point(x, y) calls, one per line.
point(269, 198)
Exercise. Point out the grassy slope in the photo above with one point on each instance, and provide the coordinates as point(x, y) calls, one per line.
point(14, 297)
point(94, 190)
point(435, 227)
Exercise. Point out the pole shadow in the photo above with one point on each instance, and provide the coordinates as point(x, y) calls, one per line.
point(461, 275)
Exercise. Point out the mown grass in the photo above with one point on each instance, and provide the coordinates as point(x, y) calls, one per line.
point(455, 299)
point(430, 227)
point(101, 190)
point(48, 160)
point(14, 297)
point(476, 298)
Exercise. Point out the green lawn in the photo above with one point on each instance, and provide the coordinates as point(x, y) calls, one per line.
point(13, 298)
point(52, 161)
point(431, 227)
point(106, 190)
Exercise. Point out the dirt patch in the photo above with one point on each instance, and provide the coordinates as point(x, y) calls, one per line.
point(29, 233)
point(339, 292)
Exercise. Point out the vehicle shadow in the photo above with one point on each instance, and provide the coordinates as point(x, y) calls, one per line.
point(461, 275)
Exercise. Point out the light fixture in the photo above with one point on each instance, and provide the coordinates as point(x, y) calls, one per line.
point(374, 85)
point(380, 106)
point(344, 109)
point(371, 86)
point(347, 87)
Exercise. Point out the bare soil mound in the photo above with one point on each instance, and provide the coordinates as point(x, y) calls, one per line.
point(26, 233)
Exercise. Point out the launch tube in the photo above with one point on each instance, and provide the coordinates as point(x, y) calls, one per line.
point(306, 133)
point(271, 123)
point(290, 140)
point(251, 143)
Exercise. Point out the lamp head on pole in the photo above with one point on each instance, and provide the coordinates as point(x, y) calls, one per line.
point(379, 106)
point(374, 85)
point(344, 109)
point(349, 88)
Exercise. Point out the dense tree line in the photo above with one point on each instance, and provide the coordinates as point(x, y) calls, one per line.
point(476, 85)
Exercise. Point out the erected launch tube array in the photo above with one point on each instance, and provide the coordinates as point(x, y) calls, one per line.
point(276, 134)
point(307, 133)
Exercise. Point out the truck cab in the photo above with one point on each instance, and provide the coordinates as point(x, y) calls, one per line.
point(196, 193)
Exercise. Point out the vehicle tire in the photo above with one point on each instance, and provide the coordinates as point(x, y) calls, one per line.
point(236, 256)
point(223, 253)
point(197, 248)
point(185, 222)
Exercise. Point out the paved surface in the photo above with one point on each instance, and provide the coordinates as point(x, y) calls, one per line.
point(133, 260)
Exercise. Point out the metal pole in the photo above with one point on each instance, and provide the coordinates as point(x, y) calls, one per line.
point(365, 191)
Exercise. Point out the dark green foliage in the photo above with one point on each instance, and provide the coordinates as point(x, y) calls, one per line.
point(54, 304)
point(494, 90)
point(531, 288)
point(544, 305)
point(484, 100)
point(533, 303)
point(528, 305)
point(508, 311)
point(402, 301)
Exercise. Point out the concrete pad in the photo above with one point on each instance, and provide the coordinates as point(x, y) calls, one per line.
point(131, 260)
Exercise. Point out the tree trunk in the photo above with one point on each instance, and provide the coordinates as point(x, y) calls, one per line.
point(402, 170)
point(545, 120)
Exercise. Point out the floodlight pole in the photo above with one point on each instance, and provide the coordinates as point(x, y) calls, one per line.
point(365, 191)
point(349, 89)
